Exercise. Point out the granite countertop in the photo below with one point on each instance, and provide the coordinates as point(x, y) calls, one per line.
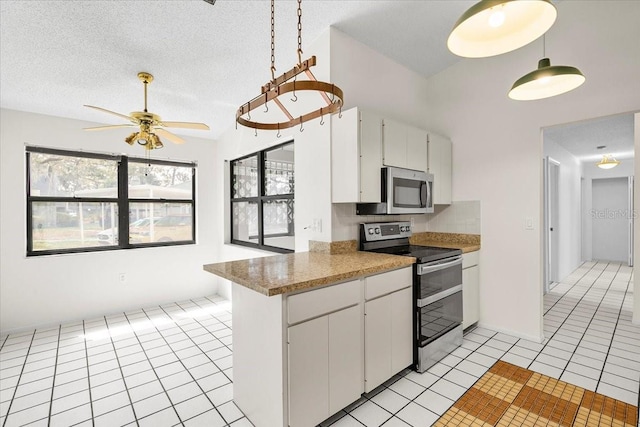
point(280, 274)
point(466, 242)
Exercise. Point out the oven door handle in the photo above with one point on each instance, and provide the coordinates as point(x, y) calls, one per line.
point(430, 268)
point(439, 296)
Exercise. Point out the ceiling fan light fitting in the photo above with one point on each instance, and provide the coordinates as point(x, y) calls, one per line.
point(494, 27)
point(546, 81)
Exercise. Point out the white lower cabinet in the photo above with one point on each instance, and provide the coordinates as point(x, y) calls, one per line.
point(388, 346)
point(470, 289)
point(388, 325)
point(325, 366)
point(334, 353)
point(309, 372)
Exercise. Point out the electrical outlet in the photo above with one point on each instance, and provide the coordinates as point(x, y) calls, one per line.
point(122, 278)
point(413, 223)
point(317, 225)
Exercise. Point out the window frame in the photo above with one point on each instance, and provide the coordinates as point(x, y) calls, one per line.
point(121, 200)
point(260, 199)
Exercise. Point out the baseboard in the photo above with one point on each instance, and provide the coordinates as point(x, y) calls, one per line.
point(534, 338)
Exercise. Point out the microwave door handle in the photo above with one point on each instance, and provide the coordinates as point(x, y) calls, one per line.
point(424, 198)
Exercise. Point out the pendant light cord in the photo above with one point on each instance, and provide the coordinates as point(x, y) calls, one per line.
point(544, 46)
point(300, 32)
point(273, 42)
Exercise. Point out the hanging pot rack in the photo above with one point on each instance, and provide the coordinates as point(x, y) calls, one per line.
point(281, 85)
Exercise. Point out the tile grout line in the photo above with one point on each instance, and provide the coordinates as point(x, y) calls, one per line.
point(53, 385)
point(4, 341)
point(568, 290)
point(566, 318)
point(186, 369)
point(152, 369)
point(133, 409)
point(86, 355)
point(18, 383)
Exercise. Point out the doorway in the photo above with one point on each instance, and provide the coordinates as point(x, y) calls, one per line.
point(611, 228)
point(551, 221)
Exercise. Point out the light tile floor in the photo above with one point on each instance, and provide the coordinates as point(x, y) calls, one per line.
point(171, 365)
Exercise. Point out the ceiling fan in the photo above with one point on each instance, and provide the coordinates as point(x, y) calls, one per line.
point(150, 124)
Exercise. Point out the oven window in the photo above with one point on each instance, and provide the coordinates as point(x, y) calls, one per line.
point(406, 193)
point(440, 317)
point(437, 281)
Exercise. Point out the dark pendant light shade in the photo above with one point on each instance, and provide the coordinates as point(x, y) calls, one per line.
point(493, 27)
point(546, 81)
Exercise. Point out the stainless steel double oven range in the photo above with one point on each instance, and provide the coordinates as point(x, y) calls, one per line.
point(437, 289)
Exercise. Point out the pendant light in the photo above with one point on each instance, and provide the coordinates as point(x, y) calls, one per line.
point(607, 162)
point(547, 81)
point(493, 27)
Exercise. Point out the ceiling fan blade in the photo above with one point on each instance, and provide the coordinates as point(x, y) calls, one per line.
point(123, 116)
point(110, 127)
point(185, 125)
point(170, 136)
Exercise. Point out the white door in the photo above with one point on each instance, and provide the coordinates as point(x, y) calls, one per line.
point(630, 217)
point(345, 358)
point(308, 372)
point(610, 219)
point(377, 342)
point(394, 144)
point(401, 329)
point(551, 218)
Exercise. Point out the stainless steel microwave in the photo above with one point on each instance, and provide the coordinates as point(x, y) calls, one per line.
point(404, 191)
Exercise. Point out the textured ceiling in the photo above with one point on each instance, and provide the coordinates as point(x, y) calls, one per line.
point(58, 55)
point(582, 138)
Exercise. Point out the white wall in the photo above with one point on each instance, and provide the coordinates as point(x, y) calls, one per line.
point(610, 219)
point(47, 290)
point(569, 221)
point(458, 217)
point(374, 82)
point(471, 106)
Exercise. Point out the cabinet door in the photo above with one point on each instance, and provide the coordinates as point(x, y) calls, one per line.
point(370, 162)
point(394, 143)
point(439, 159)
point(470, 295)
point(417, 149)
point(345, 358)
point(401, 330)
point(377, 342)
point(308, 372)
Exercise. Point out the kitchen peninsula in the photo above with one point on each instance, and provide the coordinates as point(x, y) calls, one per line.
point(298, 330)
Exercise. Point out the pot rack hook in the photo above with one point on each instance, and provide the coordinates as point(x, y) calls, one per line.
point(301, 128)
point(321, 117)
point(340, 114)
point(256, 132)
point(295, 97)
point(266, 105)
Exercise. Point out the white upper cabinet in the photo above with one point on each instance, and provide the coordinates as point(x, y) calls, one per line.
point(356, 157)
point(417, 149)
point(394, 143)
point(404, 146)
point(439, 161)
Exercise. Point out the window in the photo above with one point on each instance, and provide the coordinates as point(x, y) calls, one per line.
point(262, 186)
point(80, 202)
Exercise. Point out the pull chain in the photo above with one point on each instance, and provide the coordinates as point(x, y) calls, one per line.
point(300, 32)
point(273, 42)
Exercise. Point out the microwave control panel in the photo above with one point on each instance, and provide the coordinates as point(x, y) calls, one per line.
point(386, 230)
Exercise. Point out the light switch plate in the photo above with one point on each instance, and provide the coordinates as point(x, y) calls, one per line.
point(528, 223)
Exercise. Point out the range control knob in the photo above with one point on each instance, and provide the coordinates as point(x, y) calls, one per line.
point(370, 230)
point(377, 230)
point(402, 228)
